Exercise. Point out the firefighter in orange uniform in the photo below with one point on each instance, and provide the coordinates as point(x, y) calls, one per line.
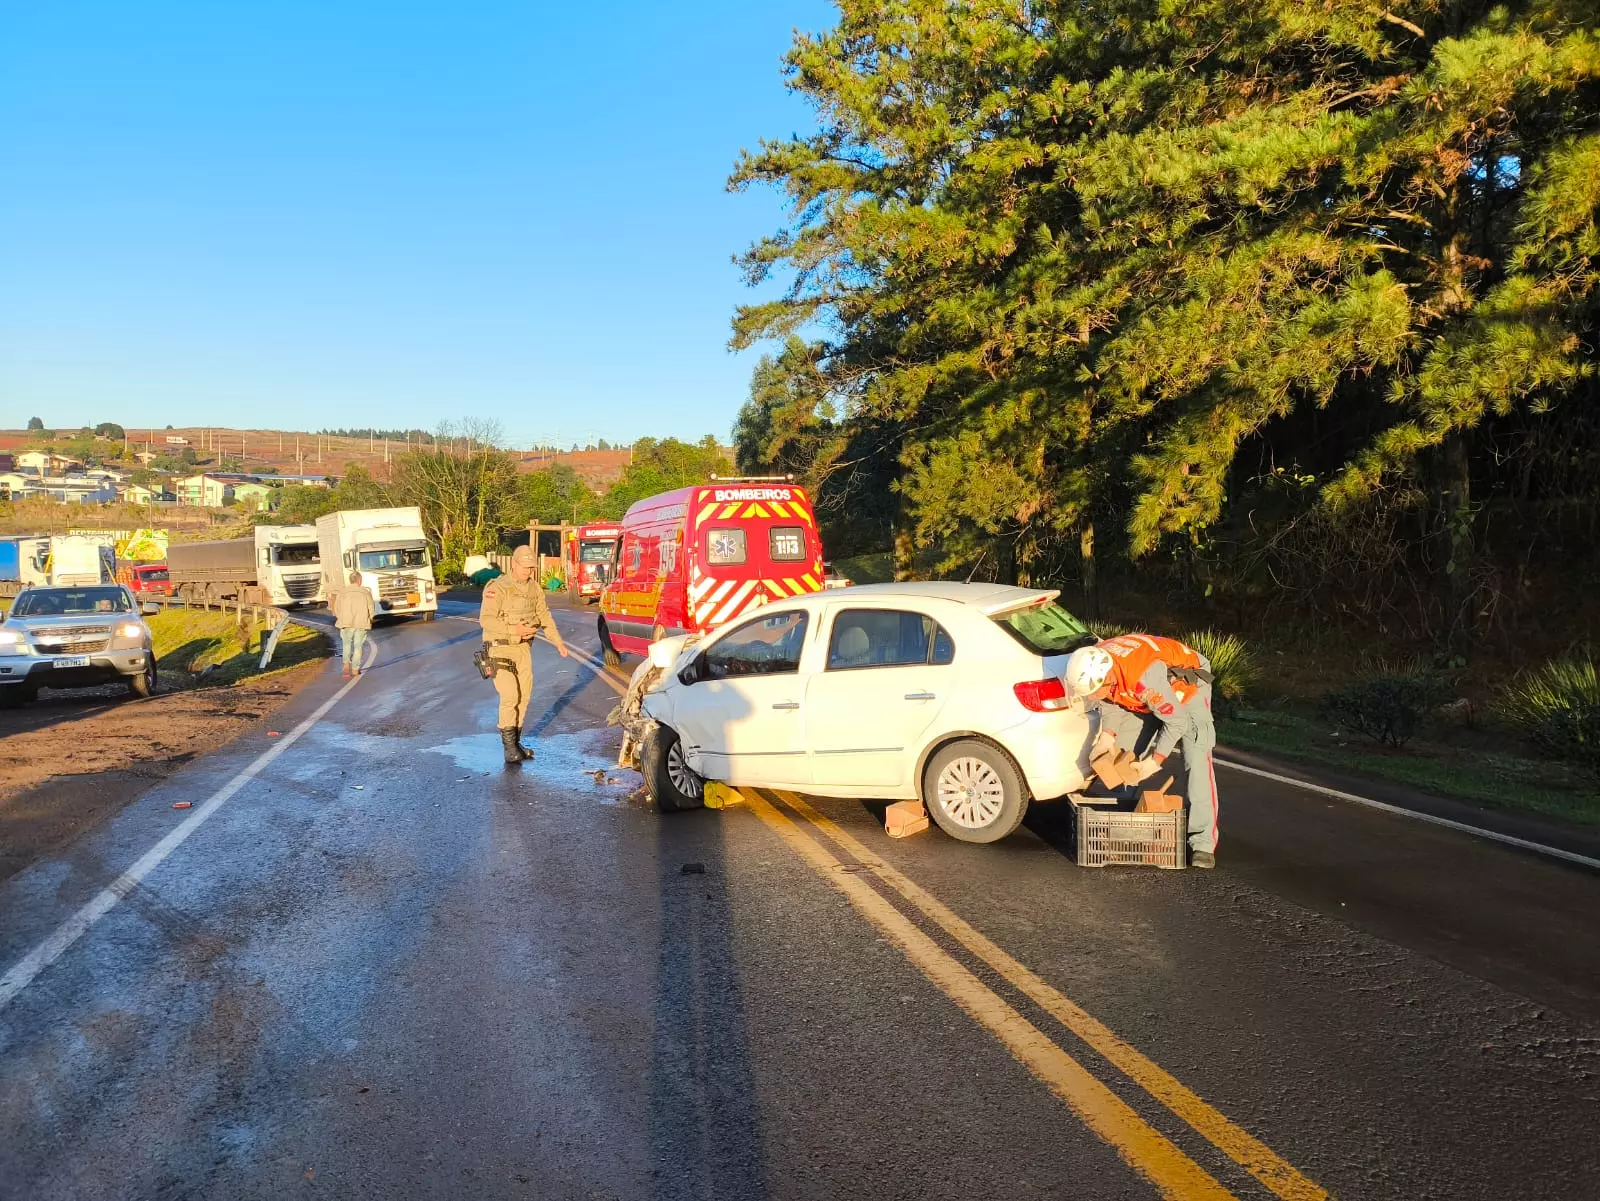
point(1142, 679)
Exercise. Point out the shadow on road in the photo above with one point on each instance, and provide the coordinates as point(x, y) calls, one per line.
point(705, 1122)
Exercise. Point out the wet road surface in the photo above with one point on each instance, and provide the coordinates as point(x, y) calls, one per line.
point(383, 966)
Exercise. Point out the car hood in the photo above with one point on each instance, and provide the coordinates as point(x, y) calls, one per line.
point(61, 620)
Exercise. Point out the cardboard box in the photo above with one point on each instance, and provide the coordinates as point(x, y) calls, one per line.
point(905, 818)
point(1115, 770)
point(1158, 802)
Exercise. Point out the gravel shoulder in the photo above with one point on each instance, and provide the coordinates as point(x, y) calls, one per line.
point(72, 759)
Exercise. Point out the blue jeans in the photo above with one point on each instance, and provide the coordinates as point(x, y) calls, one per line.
point(353, 642)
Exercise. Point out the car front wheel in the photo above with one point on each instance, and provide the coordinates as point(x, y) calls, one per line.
point(974, 791)
point(144, 684)
point(671, 782)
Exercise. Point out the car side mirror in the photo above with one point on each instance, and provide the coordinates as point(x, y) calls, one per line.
point(695, 672)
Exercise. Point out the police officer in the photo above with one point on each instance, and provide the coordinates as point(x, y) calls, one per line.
point(1138, 678)
point(514, 610)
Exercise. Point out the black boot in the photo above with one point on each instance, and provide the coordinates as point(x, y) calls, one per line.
point(521, 746)
point(508, 739)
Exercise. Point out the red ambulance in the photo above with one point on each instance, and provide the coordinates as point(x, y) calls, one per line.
point(587, 557)
point(691, 560)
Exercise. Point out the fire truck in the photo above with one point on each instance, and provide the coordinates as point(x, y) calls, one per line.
point(696, 558)
point(587, 559)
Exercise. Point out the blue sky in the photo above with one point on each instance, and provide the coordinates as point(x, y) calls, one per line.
point(307, 214)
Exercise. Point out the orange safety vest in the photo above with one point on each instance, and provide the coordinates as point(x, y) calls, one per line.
point(1132, 655)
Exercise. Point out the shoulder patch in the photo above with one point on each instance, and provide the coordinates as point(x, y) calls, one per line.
point(1165, 709)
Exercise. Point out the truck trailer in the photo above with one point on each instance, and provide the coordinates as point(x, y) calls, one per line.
point(77, 560)
point(279, 565)
point(389, 550)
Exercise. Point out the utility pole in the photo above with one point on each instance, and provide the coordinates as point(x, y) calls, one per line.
point(386, 448)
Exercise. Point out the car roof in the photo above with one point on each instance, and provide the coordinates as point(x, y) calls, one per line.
point(988, 598)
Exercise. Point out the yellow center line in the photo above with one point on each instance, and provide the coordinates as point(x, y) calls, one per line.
point(1266, 1165)
point(1144, 1148)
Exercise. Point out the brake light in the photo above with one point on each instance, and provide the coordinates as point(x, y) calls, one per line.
point(1042, 696)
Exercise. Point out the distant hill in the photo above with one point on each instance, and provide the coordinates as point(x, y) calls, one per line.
point(299, 452)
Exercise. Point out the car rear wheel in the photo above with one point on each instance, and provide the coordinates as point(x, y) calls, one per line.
point(974, 791)
point(671, 783)
point(607, 651)
point(144, 684)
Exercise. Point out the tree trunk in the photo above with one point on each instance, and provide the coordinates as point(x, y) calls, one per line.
point(1005, 554)
point(904, 563)
point(1455, 512)
point(1091, 574)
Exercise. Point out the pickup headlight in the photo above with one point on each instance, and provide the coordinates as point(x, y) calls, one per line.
point(11, 638)
point(126, 635)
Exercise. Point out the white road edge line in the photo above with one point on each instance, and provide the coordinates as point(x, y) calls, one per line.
point(27, 969)
point(1477, 831)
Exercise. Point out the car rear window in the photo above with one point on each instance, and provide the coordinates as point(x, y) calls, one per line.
point(1046, 629)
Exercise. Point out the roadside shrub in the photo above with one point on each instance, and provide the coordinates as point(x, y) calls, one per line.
point(1388, 708)
point(1557, 708)
point(1233, 667)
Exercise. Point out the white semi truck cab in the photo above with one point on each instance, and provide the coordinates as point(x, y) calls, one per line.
point(389, 549)
point(288, 563)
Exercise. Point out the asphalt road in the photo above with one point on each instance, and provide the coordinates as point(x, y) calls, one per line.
point(383, 966)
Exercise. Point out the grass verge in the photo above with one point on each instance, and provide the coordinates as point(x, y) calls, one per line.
point(206, 649)
point(1499, 778)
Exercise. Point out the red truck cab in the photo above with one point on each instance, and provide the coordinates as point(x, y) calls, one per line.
point(691, 560)
point(587, 557)
point(145, 579)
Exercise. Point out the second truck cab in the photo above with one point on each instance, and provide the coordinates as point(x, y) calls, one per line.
point(587, 559)
point(390, 550)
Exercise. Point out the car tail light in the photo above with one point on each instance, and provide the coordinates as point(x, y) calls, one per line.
point(1042, 696)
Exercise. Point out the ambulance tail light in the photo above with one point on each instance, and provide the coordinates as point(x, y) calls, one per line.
point(1042, 696)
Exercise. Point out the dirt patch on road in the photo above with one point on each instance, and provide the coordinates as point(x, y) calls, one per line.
point(73, 759)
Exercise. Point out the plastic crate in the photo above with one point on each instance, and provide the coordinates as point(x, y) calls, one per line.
point(1122, 838)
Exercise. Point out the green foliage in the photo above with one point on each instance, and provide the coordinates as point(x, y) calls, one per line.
point(554, 495)
point(1556, 707)
point(1234, 669)
point(1065, 265)
point(1389, 707)
point(660, 466)
point(35, 423)
point(110, 429)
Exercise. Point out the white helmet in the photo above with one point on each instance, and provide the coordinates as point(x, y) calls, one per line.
point(1087, 669)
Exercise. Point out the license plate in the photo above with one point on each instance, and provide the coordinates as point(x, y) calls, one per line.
point(73, 661)
point(413, 598)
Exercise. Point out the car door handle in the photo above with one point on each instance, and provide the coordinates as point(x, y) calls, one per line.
point(920, 696)
point(787, 705)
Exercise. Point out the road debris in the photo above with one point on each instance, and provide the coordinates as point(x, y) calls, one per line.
point(183, 804)
point(905, 818)
point(719, 796)
point(692, 869)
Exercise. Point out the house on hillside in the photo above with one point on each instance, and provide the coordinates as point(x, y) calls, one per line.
point(17, 485)
point(255, 495)
point(138, 494)
point(302, 481)
point(177, 440)
point(46, 462)
point(204, 491)
point(146, 457)
point(77, 490)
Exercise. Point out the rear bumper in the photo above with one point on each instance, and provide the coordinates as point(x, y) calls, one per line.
point(40, 671)
point(1052, 749)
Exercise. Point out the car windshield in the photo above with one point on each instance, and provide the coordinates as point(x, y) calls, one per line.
point(1045, 629)
point(298, 554)
point(596, 552)
point(391, 558)
point(59, 602)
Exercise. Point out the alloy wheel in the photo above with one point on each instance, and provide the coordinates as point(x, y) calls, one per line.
point(971, 792)
point(684, 780)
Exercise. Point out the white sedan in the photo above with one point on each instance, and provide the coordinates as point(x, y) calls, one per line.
point(947, 692)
